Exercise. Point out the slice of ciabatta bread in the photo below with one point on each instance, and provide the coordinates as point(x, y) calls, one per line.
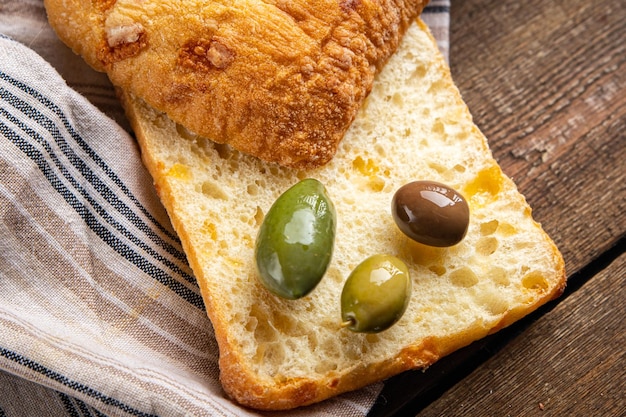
point(279, 354)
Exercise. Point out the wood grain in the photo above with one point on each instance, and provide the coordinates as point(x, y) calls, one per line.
point(546, 83)
point(569, 363)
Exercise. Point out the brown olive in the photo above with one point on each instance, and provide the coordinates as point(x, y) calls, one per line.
point(431, 213)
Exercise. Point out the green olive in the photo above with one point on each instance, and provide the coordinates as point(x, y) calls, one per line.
point(295, 242)
point(376, 294)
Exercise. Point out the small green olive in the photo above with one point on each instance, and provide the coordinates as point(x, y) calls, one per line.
point(431, 213)
point(376, 294)
point(295, 242)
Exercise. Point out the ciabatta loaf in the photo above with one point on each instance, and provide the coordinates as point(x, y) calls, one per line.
point(279, 354)
point(281, 80)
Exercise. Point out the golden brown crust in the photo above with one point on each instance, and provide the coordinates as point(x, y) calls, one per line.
point(281, 80)
point(249, 391)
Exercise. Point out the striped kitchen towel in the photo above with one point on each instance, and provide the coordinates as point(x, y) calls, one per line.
point(100, 315)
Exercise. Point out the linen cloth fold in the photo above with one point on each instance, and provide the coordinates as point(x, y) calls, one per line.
point(100, 314)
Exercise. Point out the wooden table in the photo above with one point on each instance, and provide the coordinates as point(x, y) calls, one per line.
point(546, 83)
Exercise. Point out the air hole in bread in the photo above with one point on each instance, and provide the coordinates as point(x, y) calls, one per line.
point(222, 247)
point(185, 133)
point(438, 85)
point(492, 301)
point(331, 349)
point(252, 189)
point(365, 167)
point(362, 250)
point(506, 229)
point(419, 72)
point(461, 136)
point(535, 281)
point(274, 354)
point(210, 230)
point(487, 245)
point(489, 228)
point(233, 165)
point(498, 276)
point(438, 269)
point(213, 190)
point(251, 324)
point(463, 277)
point(438, 127)
point(224, 151)
point(326, 366)
point(397, 100)
point(179, 171)
point(238, 316)
point(352, 351)
point(377, 184)
point(441, 169)
point(287, 325)
point(312, 341)
point(459, 168)
point(263, 331)
point(258, 216)
point(370, 170)
point(245, 219)
point(333, 274)
point(488, 180)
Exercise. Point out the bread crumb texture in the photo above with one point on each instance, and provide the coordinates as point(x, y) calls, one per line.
point(414, 125)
